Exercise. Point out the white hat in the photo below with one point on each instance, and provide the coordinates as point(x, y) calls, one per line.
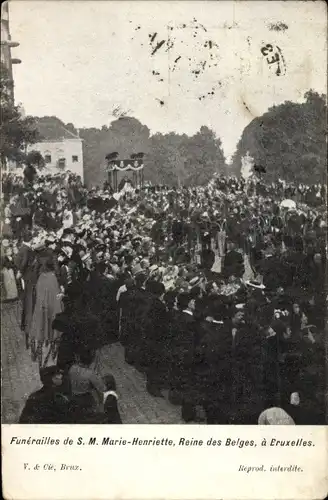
point(195, 281)
point(275, 416)
point(255, 284)
point(38, 243)
point(86, 257)
point(68, 251)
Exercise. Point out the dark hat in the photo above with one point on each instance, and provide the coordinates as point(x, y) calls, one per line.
point(109, 382)
point(101, 247)
point(47, 373)
point(68, 231)
point(156, 287)
point(81, 233)
point(112, 156)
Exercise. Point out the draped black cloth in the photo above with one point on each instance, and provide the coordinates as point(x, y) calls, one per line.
point(46, 406)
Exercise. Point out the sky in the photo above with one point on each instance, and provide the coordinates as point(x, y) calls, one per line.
point(174, 65)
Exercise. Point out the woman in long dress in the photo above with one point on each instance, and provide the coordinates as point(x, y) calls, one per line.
point(9, 286)
point(43, 338)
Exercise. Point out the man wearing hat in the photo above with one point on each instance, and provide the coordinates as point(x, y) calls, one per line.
point(134, 303)
point(155, 334)
point(100, 291)
point(246, 395)
point(27, 264)
point(213, 367)
point(183, 344)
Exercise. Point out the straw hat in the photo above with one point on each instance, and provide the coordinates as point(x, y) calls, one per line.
point(275, 416)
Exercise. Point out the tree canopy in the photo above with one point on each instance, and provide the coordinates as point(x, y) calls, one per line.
point(35, 159)
point(16, 132)
point(289, 141)
point(179, 159)
point(171, 158)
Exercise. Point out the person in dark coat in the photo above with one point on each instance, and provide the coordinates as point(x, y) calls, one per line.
point(50, 404)
point(69, 340)
point(28, 268)
point(102, 302)
point(155, 340)
point(157, 231)
point(299, 413)
point(30, 174)
point(183, 346)
point(135, 303)
point(213, 365)
point(246, 377)
point(21, 215)
point(178, 232)
point(207, 259)
point(233, 262)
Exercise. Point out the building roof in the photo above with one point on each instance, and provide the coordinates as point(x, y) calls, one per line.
point(52, 129)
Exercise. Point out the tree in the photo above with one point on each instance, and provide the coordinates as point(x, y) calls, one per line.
point(289, 140)
point(178, 159)
point(126, 135)
point(204, 157)
point(70, 127)
point(170, 159)
point(16, 132)
point(165, 161)
point(35, 159)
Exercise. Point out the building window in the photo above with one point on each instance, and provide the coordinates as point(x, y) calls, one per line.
point(47, 158)
point(62, 163)
point(75, 159)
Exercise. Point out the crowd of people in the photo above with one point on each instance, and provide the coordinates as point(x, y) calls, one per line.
point(217, 294)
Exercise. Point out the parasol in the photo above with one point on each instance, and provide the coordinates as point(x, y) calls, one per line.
point(288, 204)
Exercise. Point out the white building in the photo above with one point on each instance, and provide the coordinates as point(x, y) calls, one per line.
point(61, 149)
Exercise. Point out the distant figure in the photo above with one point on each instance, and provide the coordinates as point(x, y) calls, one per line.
point(67, 218)
point(125, 184)
point(233, 262)
point(27, 265)
point(107, 187)
point(8, 280)
point(29, 174)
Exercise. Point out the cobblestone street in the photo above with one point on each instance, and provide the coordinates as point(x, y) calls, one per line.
point(20, 377)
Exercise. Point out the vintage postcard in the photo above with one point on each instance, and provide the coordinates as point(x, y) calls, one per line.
point(163, 250)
